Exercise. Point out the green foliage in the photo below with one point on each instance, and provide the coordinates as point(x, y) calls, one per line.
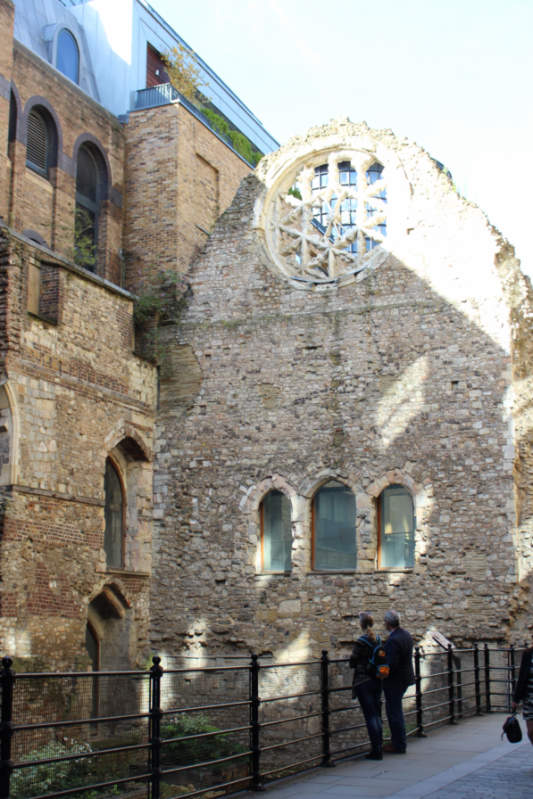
point(196, 750)
point(50, 777)
point(242, 144)
point(295, 192)
point(84, 244)
point(183, 72)
point(217, 122)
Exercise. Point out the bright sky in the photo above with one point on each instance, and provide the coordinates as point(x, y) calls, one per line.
point(455, 76)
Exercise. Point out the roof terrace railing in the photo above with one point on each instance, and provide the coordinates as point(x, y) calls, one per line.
point(165, 93)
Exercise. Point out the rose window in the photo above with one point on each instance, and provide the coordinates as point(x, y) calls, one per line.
point(328, 218)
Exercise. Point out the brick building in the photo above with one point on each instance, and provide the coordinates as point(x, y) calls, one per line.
point(105, 186)
point(336, 408)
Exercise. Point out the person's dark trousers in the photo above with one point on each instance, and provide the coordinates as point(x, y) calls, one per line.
point(393, 705)
point(369, 696)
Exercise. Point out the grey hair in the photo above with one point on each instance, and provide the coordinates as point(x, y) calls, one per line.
point(392, 618)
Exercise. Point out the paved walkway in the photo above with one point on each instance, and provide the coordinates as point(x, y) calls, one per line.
point(464, 761)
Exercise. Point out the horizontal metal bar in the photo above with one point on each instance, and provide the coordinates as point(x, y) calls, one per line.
point(203, 764)
point(432, 707)
point(77, 722)
point(342, 709)
point(346, 729)
point(94, 787)
point(196, 736)
point(290, 765)
point(209, 669)
point(361, 745)
point(45, 675)
point(289, 665)
point(293, 741)
point(289, 696)
point(339, 690)
point(81, 755)
point(292, 718)
point(216, 787)
point(436, 721)
point(223, 706)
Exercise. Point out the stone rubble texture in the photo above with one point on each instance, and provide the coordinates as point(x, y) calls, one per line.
point(415, 373)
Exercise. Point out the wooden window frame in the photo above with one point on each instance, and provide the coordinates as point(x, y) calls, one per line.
point(379, 518)
point(314, 567)
point(262, 536)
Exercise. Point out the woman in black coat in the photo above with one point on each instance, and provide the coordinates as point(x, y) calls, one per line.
point(366, 688)
point(524, 690)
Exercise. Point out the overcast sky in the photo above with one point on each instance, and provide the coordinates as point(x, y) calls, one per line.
point(455, 76)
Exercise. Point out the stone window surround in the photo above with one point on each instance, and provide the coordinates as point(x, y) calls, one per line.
point(279, 171)
point(366, 528)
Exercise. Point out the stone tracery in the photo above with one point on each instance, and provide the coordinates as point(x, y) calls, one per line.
point(328, 216)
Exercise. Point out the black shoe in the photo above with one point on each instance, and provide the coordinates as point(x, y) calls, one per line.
point(374, 756)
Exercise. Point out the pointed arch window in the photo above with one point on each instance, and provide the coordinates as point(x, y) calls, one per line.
point(333, 518)
point(115, 508)
point(68, 55)
point(396, 528)
point(276, 538)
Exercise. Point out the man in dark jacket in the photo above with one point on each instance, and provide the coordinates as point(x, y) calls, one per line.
point(399, 649)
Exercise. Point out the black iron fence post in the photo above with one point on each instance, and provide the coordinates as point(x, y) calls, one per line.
point(512, 676)
point(255, 727)
point(451, 690)
point(6, 729)
point(418, 695)
point(477, 681)
point(155, 726)
point(487, 679)
point(459, 685)
point(324, 704)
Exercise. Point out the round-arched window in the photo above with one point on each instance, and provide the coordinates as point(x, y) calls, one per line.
point(68, 55)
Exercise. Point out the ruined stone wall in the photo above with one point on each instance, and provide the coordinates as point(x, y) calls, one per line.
point(179, 178)
point(401, 375)
point(75, 393)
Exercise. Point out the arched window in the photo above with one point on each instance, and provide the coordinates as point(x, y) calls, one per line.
point(396, 525)
point(40, 141)
point(334, 544)
point(114, 517)
point(68, 55)
point(12, 130)
point(90, 190)
point(276, 539)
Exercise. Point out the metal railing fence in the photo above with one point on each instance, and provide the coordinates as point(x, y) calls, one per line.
point(180, 732)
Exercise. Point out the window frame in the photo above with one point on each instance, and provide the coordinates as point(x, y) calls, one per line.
point(118, 471)
point(314, 566)
point(264, 568)
point(44, 166)
point(380, 521)
point(86, 205)
point(74, 40)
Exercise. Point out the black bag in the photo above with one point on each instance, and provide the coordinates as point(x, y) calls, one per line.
point(511, 728)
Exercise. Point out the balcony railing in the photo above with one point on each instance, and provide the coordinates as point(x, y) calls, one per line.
point(165, 93)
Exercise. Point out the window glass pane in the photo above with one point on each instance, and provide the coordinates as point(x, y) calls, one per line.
point(397, 528)
point(86, 176)
point(68, 57)
point(276, 515)
point(334, 527)
point(113, 516)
